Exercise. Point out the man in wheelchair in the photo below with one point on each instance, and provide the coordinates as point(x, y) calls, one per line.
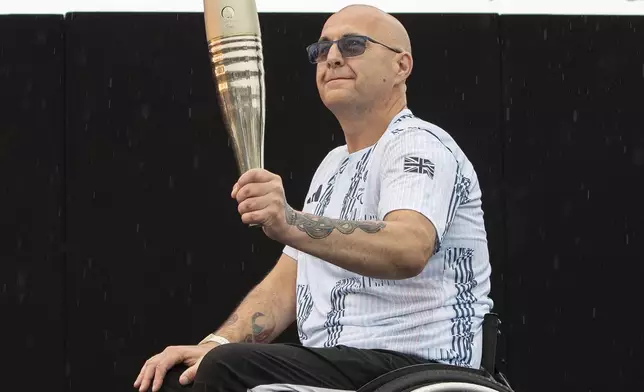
point(385, 270)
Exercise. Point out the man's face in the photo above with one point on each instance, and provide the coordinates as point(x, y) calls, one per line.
point(359, 80)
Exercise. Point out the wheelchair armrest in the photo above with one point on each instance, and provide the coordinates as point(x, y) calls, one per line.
point(491, 324)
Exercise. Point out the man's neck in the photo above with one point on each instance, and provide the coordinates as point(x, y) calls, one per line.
point(366, 128)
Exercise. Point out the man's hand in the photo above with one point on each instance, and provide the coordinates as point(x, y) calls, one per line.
point(261, 199)
point(154, 370)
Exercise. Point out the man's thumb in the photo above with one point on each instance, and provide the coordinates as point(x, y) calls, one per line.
point(189, 375)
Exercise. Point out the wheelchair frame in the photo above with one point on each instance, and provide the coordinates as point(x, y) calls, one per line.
point(438, 377)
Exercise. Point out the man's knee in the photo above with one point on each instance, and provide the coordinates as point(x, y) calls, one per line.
point(220, 361)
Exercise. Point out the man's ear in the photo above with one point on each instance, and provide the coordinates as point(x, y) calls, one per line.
point(404, 66)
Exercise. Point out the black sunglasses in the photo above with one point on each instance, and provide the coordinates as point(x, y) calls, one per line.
point(349, 46)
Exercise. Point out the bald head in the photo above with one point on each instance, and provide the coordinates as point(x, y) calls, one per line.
point(356, 76)
point(377, 23)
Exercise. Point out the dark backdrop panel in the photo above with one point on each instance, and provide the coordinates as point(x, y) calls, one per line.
point(157, 253)
point(31, 201)
point(574, 164)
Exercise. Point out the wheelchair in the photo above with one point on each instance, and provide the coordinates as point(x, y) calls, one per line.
point(436, 377)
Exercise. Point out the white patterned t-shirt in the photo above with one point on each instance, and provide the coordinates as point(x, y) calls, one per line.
point(438, 314)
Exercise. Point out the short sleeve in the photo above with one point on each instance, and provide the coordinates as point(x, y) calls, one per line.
point(291, 252)
point(418, 172)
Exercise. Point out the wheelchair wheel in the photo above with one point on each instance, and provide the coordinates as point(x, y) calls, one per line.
point(442, 381)
point(454, 387)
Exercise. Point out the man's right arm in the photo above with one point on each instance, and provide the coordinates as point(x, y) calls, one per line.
point(267, 310)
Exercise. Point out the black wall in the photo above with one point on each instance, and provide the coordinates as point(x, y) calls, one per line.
point(116, 172)
point(33, 310)
point(573, 100)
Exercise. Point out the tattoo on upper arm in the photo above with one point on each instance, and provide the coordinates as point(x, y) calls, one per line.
point(319, 227)
point(260, 334)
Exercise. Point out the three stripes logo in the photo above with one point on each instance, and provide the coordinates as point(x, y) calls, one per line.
point(316, 196)
point(419, 165)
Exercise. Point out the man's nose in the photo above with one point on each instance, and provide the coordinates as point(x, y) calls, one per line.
point(334, 57)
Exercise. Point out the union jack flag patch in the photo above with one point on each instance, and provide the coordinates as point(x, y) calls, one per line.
point(419, 165)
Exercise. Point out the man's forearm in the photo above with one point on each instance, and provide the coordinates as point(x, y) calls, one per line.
point(260, 318)
point(377, 249)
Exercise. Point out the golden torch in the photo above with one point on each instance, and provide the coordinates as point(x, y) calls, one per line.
point(235, 46)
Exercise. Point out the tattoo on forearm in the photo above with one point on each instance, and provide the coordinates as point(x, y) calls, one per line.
point(319, 227)
point(232, 319)
point(260, 334)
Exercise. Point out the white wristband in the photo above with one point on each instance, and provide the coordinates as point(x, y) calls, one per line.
point(214, 338)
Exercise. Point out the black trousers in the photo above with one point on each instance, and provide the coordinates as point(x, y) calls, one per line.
point(240, 367)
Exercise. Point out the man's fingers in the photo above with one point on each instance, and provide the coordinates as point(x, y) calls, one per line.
point(254, 190)
point(156, 368)
point(255, 217)
point(253, 204)
point(255, 175)
point(148, 375)
point(159, 374)
point(162, 367)
point(137, 382)
point(189, 375)
point(139, 378)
